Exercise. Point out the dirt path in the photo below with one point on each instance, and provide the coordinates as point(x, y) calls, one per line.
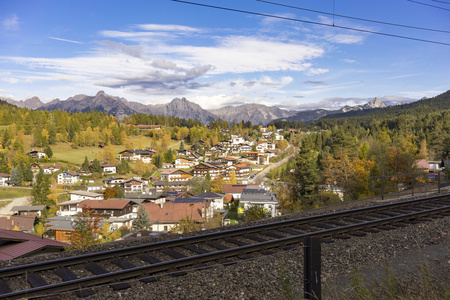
point(6, 211)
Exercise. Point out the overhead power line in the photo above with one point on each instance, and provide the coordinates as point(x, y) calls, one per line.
point(353, 18)
point(426, 4)
point(312, 22)
point(442, 1)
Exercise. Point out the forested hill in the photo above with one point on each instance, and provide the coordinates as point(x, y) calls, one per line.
point(428, 105)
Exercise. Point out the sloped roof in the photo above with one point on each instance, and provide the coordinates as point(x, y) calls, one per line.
point(210, 195)
point(422, 164)
point(86, 194)
point(16, 244)
point(228, 199)
point(28, 208)
point(173, 212)
point(4, 175)
point(233, 188)
point(189, 200)
point(23, 223)
point(104, 204)
point(258, 198)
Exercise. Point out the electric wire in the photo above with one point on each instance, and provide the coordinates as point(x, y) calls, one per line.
point(353, 18)
point(442, 1)
point(426, 4)
point(312, 22)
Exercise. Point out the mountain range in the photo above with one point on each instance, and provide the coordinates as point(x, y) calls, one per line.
point(182, 108)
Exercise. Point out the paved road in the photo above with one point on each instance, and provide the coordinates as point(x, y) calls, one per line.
point(6, 211)
point(259, 177)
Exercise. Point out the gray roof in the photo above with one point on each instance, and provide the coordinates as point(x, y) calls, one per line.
point(28, 208)
point(210, 195)
point(188, 200)
point(64, 222)
point(172, 183)
point(85, 193)
point(70, 202)
point(258, 198)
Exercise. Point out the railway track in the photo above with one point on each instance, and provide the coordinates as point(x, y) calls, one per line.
point(115, 267)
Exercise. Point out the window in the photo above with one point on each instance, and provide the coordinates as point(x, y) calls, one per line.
point(165, 228)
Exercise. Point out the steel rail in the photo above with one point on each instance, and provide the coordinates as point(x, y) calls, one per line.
point(115, 253)
point(149, 270)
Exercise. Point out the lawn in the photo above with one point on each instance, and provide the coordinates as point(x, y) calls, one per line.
point(65, 152)
point(11, 192)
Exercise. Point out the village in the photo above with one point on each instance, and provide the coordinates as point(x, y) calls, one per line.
point(205, 186)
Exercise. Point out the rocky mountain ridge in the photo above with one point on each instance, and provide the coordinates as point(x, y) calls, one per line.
point(185, 109)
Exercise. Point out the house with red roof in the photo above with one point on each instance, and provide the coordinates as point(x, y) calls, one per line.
point(18, 223)
point(15, 244)
point(165, 216)
point(175, 175)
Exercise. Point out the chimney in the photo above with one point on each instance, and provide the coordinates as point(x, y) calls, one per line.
point(161, 205)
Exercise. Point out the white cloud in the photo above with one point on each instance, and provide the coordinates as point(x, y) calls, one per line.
point(11, 23)
point(245, 54)
point(169, 27)
point(65, 40)
point(10, 80)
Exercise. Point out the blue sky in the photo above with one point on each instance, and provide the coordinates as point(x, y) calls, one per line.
point(155, 50)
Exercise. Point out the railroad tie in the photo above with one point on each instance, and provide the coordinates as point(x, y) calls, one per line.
point(151, 260)
point(272, 234)
point(254, 238)
point(97, 270)
point(196, 249)
point(125, 264)
point(290, 231)
point(4, 288)
point(37, 281)
point(224, 261)
point(67, 275)
point(177, 255)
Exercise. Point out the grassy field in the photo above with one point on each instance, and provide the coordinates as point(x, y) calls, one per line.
point(65, 152)
point(11, 192)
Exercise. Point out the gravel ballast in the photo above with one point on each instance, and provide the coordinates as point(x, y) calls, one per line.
point(280, 276)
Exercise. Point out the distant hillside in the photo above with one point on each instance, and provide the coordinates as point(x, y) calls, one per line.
point(308, 116)
point(425, 105)
point(255, 113)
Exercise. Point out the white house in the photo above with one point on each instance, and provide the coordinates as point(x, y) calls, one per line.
point(83, 195)
point(4, 179)
point(68, 177)
point(109, 168)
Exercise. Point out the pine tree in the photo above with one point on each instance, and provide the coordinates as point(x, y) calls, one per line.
point(41, 190)
point(85, 165)
point(96, 167)
point(28, 174)
point(48, 151)
point(143, 220)
point(181, 146)
point(16, 176)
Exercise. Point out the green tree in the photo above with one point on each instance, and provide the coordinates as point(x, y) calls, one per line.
point(41, 190)
point(254, 213)
point(85, 165)
point(86, 229)
point(96, 167)
point(16, 175)
point(181, 146)
point(28, 174)
point(186, 224)
point(142, 220)
point(48, 151)
point(157, 160)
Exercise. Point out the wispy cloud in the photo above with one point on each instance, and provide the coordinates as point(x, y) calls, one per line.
point(11, 23)
point(65, 40)
point(314, 82)
point(167, 27)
